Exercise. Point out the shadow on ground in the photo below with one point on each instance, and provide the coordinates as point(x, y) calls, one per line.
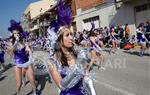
point(7, 67)
point(136, 53)
point(41, 81)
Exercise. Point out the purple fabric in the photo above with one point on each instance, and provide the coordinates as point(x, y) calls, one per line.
point(2, 53)
point(2, 46)
point(76, 90)
point(140, 37)
point(20, 56)
point(25, 34)
point(54, 24)
point(64, 14)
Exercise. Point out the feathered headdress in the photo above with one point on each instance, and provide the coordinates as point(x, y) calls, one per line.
point(64, 14)
point(141, 24)
point(15, 26)
point(64, 19)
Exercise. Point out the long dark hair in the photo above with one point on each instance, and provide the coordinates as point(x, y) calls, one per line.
point(59, 52)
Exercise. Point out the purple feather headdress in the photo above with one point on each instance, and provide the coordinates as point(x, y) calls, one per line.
point(64, 19)
point(141, 24)
point(64, 14)
point(15, 26)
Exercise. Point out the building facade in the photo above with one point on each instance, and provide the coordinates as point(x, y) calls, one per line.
point(102, 12)
point(111, 12)
point(37, 16)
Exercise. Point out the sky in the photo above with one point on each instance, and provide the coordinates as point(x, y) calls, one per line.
point(11, 9)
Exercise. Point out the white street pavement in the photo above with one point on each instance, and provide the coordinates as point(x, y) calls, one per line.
point(126, 74)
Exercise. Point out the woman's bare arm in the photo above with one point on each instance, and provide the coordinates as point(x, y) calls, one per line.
point(55, 74)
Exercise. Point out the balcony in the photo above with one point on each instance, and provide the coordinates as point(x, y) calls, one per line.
point(35, 27)
point(117, 1)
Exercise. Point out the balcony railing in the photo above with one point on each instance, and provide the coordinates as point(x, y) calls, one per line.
point(122, 1)
point(44, 23)
point(35, 27)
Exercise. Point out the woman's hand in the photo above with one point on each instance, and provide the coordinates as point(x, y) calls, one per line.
point(17, 37)
point(92, 39)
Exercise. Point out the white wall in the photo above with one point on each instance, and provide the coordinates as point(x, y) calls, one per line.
point(142, 16)
point(109, 15)
point(102, 12)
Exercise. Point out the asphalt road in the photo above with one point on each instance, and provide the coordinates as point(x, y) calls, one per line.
point(126, 74)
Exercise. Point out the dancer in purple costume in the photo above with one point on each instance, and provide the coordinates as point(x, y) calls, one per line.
point(67, 62)
point(2, 55)
point(22, 56)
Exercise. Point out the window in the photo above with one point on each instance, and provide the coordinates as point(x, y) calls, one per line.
point(141, 8)
point(91, 19)
point(87, 22)
point(144, 7)
point(118, 0)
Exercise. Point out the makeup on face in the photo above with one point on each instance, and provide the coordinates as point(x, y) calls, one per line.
point(16, 34)
point(68, 39)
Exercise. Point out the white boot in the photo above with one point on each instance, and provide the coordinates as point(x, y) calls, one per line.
point(89, 83)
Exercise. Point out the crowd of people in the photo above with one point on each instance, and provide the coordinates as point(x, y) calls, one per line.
point(68, 46)
point(118, 37)
point(71, 55)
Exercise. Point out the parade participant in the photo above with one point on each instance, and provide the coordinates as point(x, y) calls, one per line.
point(95, 48)
point(120, 31)
point(66, 63)
point(86, 44)
point(141, 38)
point(2, 55)
point(147, 31)
point(22, 56)
point(132, 40)
point(127, 31)
point(114, 40)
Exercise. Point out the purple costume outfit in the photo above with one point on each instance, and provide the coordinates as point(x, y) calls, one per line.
point(21, 57)
point(2, 53)
point(77, 88)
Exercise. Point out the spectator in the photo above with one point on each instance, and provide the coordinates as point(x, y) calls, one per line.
point(120, 32)
point(127, 31)
point(147, 31)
